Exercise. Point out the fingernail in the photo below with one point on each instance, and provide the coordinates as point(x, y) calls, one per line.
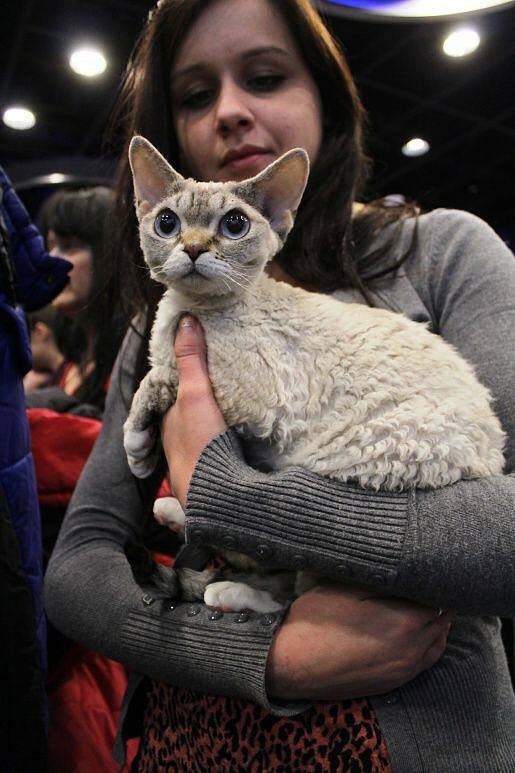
point(187, 322)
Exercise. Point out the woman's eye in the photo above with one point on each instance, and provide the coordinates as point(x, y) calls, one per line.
point(70, 245)
point(167, 224)
point(266, 82)
point(197, 100)
point(234, 224)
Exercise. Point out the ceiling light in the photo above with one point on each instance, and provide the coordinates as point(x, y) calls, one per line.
point(415, 147)
point(56, 177)
point(19, 118)
point(461, 42)
point(414, 9)
point(88, 62)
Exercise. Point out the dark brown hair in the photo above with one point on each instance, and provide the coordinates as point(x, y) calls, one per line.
point(327, 248)
point(95, 334)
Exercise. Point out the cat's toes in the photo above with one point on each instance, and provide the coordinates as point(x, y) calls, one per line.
point(139, 443)
point(223, 596)
point(168, 512)
point(141, 468)
point(235, 596)
point(142, 452)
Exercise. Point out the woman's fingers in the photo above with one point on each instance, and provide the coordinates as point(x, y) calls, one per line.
point(195, 419)
point(437, 648)
point(343, 642)
point(415, 614)
point(191, 355)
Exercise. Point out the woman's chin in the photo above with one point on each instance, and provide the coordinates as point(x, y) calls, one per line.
point(66, 304)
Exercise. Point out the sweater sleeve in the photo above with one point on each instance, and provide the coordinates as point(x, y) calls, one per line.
point(92, 597)
point(452, 547)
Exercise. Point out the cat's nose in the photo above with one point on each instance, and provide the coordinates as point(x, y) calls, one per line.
point(194, 250)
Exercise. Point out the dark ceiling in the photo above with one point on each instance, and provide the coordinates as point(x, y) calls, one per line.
point(465, 108)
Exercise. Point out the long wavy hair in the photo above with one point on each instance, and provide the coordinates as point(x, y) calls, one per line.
point(95, 334)
point(327, 247)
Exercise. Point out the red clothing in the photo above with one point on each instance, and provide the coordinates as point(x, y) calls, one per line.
point(85, 694)
point(61, 444)
point(85, 690)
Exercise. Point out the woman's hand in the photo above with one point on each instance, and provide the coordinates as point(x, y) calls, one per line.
point(334, 643)
point(338, 643)
point(36, 379)
point(195, 418)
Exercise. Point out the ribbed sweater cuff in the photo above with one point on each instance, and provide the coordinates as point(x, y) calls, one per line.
point(295, 519)
point(222, 654)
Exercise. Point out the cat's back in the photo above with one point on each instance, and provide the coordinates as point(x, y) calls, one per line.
point(366, 393)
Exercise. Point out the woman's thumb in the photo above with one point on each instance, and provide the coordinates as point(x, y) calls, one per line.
point(190, 349)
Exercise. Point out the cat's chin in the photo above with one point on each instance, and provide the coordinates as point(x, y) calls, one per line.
point(197, 285)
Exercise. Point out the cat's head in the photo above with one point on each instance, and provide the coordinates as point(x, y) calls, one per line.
point(213, 238)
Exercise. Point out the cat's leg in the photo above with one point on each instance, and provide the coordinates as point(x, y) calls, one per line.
point(194, 583)
point(235, 596)
point(168, 512)
point(305, 581)
point(156, 393)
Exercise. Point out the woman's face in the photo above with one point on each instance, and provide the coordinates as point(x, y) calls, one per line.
point(77, 292)
point(242, 94)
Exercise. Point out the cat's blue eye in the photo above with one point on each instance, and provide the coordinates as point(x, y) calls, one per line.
point(167, 224)
point(234, 225)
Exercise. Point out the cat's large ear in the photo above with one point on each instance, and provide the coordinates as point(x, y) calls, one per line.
point(277, 191)
point(153, 177)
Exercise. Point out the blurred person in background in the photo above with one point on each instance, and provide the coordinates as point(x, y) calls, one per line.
point(47, 358)
point(75, 343)
point(78, 343)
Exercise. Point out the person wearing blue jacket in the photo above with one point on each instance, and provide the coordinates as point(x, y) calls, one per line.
point(29, 279)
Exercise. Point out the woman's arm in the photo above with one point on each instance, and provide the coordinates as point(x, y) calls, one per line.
point(91, 596)
point(452, 547)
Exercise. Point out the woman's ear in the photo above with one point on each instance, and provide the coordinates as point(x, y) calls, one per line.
point(154, 178)
point(277, 191)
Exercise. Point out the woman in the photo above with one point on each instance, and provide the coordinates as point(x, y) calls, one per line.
point(87, 328)
point(221, 88)
point(90, 333)
point(84, 689)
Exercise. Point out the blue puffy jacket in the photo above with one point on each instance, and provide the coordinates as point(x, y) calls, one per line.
point(28, 276)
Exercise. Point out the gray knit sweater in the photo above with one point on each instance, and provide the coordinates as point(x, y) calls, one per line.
point(453, 547)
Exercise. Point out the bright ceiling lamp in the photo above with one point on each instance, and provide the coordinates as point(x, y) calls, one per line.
point(20, 118)
point(88, 62)
point(415, 147)
point(461, 42)
point(410, 9)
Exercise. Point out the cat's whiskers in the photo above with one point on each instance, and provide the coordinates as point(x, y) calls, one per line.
point(228, 274)
point(226, 283)
point(243, 287)
point(242, 272)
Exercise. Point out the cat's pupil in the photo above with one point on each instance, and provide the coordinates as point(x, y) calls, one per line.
point(167, 221)
point(235, 222)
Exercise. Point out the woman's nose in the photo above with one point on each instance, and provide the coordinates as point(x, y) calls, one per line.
point(232, 111)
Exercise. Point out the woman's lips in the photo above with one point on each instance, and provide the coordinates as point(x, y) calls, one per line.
point(249, 161)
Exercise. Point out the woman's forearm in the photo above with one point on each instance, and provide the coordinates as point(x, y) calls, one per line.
point(92, 596)
point(436, 547)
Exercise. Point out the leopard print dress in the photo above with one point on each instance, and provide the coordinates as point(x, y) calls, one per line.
point(193, 733)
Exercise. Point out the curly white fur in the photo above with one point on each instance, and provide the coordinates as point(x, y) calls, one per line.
point(346, 391)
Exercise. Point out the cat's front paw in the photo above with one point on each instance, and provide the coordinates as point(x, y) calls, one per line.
point(140, 447)
point(168, 512)
point(235, 596)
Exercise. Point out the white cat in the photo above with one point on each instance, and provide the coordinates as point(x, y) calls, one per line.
point(346, 391)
